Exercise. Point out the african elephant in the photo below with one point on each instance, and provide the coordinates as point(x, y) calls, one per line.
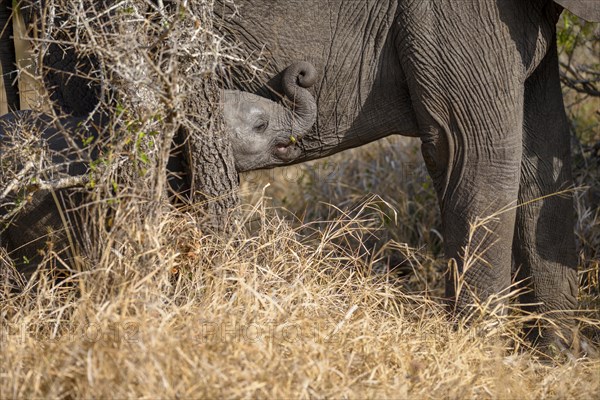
point(260, 130)
point(263, 131)
point(478, 83)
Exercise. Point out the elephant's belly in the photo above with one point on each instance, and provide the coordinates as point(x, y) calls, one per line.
point(361, 92)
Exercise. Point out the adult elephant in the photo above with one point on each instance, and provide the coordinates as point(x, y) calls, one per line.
point(478, 83)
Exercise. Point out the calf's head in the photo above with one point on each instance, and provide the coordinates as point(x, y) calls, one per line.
point(263, 132)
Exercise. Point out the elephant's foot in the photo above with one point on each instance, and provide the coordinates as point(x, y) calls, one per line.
point(561, 344)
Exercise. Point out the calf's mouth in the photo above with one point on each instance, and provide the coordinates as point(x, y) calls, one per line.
point(286, 149)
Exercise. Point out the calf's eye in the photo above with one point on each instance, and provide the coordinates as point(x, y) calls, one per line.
point(261, 126)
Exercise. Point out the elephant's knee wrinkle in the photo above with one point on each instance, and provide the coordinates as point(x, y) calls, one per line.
point(429, 152)
point(435, 151)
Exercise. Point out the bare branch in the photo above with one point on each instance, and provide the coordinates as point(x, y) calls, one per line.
point(62, 183)
point(577, 81)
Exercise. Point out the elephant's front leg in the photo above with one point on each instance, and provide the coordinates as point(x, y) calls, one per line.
point(544, 242)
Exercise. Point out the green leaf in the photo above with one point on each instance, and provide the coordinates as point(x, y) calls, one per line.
point(87, 141)
point(143, 158)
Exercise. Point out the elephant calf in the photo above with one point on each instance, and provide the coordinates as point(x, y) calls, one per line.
point(262, 132)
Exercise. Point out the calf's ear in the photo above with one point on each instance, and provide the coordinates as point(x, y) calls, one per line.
point(586, 9)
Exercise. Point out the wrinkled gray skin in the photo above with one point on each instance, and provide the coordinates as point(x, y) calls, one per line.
point(478, 83)
point(260, 131)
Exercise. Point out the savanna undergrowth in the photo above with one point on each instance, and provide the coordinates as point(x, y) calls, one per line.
point(274, 313)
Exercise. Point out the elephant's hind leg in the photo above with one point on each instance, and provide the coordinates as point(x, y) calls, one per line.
point(544, 242)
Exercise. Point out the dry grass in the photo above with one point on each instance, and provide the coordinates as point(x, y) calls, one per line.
point(281, 310)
